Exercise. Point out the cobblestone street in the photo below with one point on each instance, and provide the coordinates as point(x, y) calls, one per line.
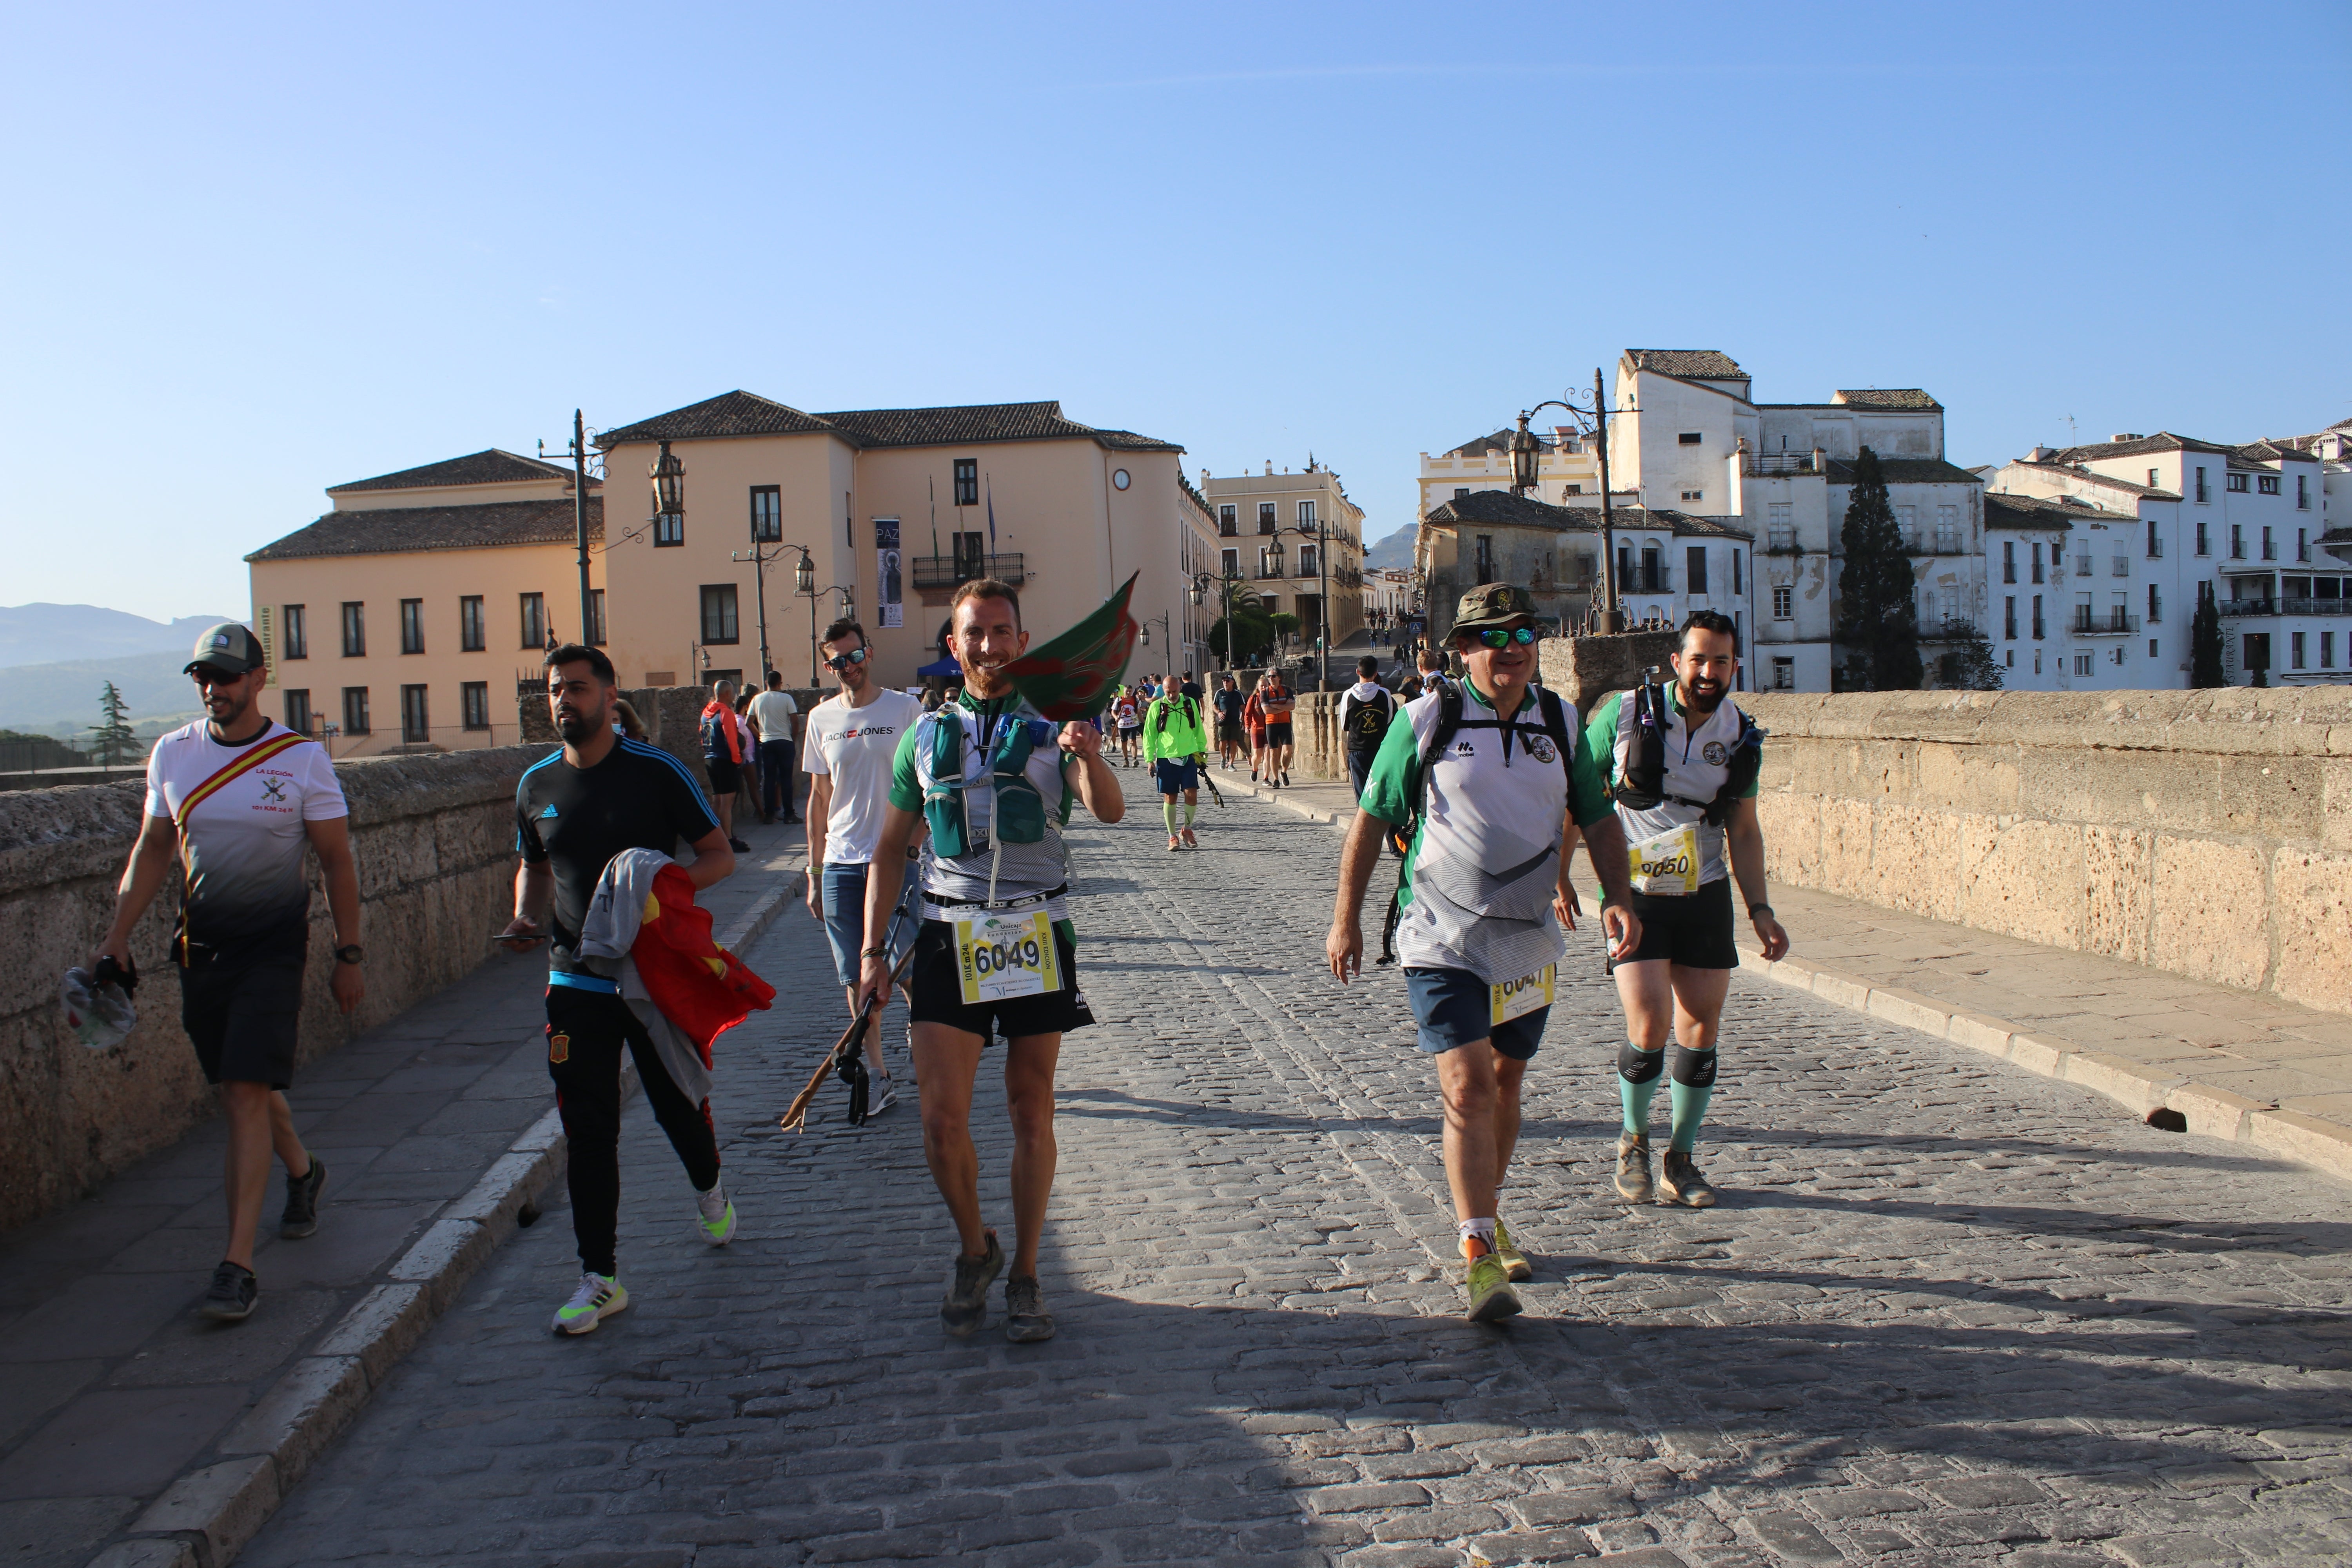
point(1948, 1311)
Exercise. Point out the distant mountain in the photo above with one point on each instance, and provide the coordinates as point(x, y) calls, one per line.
point(61, 699)
point(1395, 552)
point(53, 634)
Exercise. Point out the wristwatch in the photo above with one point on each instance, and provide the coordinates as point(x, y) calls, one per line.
point(350, 953)
point(1756, 910)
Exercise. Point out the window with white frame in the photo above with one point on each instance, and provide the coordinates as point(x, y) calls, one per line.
point(1784, 602)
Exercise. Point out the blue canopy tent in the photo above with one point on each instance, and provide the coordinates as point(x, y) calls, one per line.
point(941, 669)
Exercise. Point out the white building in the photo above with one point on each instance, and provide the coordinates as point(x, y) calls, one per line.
point(2155, 524)
point(1567, 469)
point(1687, 434)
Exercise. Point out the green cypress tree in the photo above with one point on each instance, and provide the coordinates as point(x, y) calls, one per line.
point(2205, 645)
point(112, 743)
point(1877, 625)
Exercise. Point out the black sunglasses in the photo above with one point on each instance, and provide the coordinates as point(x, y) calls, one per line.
point(1504, 636)
point(843, 661)
point(208, 675)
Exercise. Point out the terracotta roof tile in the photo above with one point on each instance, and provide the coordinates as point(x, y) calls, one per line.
point(1886, 397)
point(491, 466)
point(391, 530)
point(1702, 364)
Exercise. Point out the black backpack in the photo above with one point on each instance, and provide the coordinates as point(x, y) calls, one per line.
point(1450, 722)
point(1368, 721)
point(1642, 784)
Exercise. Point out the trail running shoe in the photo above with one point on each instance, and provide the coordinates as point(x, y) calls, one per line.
point(599, 1297)
point(966, 1307)
point(233, 1293)
point(1489, 1284)
point(1174, 845)
point(1026, 1318)
point(1190, 842)
point(715, 1214)
point(301, 1215)
point(1515, 1262)
point(1682, 1184)
point(1634, 1167)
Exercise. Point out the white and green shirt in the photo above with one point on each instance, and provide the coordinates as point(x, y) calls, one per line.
point(1698, 761)
point(1022, 869)
point(1484, 862)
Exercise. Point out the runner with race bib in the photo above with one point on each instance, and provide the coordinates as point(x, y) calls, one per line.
point(994, 783)
point(1494, 804)
point(1682, 763)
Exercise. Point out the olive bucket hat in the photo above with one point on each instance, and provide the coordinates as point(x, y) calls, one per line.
point(1493, 604)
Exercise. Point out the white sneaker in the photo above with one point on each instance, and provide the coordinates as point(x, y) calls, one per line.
point(717, 1211)
point(882, 1096)
point(598, 1297)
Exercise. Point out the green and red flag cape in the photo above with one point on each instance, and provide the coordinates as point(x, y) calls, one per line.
point(1072, 676)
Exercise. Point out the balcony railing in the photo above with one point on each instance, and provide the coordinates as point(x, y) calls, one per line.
point(2088, 622)
point(1952, 628)
point(952, 571)
point(1652, 580)
point(2155, 550)
point(1766, 465)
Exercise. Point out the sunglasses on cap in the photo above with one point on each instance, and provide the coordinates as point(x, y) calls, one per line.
point(1504, 636)
point(843, 661)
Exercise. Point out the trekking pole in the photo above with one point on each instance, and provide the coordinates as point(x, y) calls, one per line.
point(847, 1057)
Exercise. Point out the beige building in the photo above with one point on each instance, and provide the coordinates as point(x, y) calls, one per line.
point(1256, 513)
point(402, 618)
point(1567, 468)
point(892, 509)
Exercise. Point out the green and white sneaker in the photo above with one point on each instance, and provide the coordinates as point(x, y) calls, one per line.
point(715, 1215)
point(1491, 1297)
point(599, 1297)
point(1516, 1266)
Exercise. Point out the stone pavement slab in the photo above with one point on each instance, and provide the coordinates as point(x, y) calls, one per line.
point(113, 1394)
point(1948, 1313)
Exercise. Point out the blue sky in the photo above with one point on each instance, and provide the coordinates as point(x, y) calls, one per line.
point(253, 251)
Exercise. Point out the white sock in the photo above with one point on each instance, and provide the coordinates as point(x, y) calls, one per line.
point(715, 1200)
point(1483, 1229)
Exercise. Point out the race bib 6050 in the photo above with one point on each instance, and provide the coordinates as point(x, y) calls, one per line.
point(1667, 866)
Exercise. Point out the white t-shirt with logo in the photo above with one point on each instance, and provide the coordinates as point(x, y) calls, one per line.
point(855, 747)
point(245, 840)
point(773, 711)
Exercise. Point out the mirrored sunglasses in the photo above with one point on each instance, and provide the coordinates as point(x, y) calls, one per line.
point(1504, 636)
point(843, 661)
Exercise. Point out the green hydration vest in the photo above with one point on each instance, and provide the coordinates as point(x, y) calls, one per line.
point(970, 797)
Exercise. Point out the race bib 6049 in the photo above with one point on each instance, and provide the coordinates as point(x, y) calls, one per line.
point(1006, 955)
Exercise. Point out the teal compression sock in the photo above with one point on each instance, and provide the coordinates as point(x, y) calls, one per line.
point(1637, 1084)
point(1693, 1091)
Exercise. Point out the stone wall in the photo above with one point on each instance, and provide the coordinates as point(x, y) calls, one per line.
point(435, 840)
point(2207, 834)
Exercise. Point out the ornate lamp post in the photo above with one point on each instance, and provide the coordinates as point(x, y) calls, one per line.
point(805, 584)
point(1225, 582)
point(1319, 532)
point(1527, 452)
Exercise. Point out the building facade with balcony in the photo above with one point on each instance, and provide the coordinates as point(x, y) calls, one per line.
point(1256, 513)
point(400, 619)
point(1686, 433)
point(897, 506)
point(1567, 469)
point(1668, 563)
point(2171, 520)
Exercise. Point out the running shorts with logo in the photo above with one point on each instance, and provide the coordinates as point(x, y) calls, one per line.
point(1693, 930)
point(1176, 774)
point(1452, 1007)
point(840, 894)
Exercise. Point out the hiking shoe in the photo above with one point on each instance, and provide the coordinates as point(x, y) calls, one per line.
point(1026, 1318)
point(301, 1215)
point(1515, 1262)
point(884, 1095)
point(966, 1307)
point(599, 1297)
point(233, 1292)
point(715, 1215)
point(1680, 1182)
point(1489, 1284)
point(1634, 1167)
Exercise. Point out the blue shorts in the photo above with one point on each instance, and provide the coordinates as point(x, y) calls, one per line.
point(1455, 1007)
point(840, 894)
point(1176, 777)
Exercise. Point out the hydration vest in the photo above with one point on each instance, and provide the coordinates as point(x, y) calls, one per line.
point(1642, 770)
point(968, 797)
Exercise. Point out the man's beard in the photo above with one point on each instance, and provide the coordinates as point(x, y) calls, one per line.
point(574, 726)
point(1703, 700)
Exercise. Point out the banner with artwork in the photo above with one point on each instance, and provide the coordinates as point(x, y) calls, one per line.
point(890, 594)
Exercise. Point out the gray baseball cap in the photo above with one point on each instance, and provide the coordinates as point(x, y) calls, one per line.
point(227, 647)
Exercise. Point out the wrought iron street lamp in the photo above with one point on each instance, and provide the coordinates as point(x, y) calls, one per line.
point(1225, 582)
point(1526, 454)
point(805, 584)
point(669, 484)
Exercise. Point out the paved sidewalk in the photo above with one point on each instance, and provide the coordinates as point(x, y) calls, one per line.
point(120, 1410)
point(1948, 1313)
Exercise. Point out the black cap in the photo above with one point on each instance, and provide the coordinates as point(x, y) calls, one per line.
point(227, 647)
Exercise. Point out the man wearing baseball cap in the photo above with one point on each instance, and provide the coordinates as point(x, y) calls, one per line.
point(237, 799)
point(1492, 785)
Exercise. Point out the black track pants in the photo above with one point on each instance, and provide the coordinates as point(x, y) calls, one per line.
point(585, 1032)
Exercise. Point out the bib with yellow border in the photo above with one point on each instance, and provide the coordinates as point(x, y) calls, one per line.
point(1517, 998)
point(1002, 956)
point(1667, 865)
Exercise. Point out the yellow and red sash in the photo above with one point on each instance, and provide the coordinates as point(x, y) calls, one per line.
point(260, 753)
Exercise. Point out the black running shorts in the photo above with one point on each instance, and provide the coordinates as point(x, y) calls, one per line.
point(935, 992)
point(725, 776)
point(244, 1018)
point(1693, 930)
point(1277, 735)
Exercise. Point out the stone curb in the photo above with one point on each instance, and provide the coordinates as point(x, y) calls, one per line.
point(1324, 815)
point(210, 1513)
point(2214, 1113)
